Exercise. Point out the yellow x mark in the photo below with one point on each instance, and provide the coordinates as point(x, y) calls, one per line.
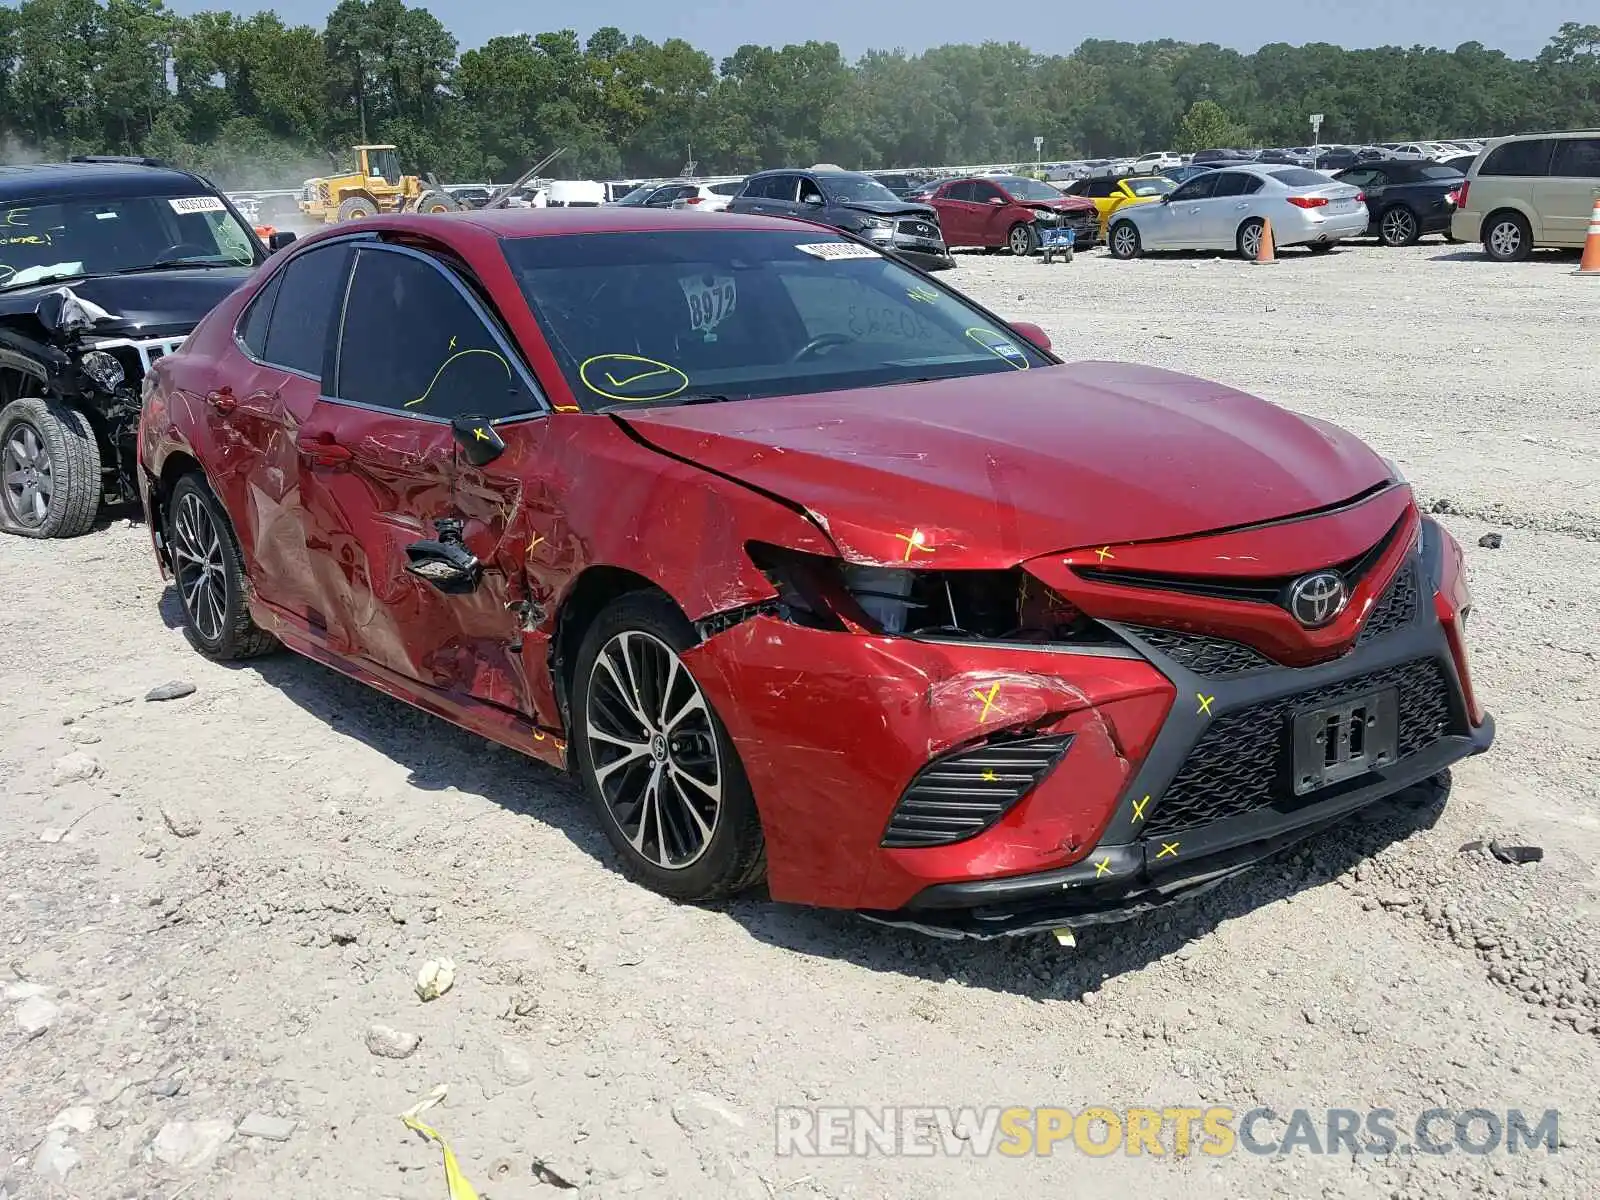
point(915, 540)
point(1102, 867)
point(1168, 848)
point(538, 539)
point(990, 777)
point(1205, 704)
point(1104, 553)
point(988, 701)
point(1138, 808)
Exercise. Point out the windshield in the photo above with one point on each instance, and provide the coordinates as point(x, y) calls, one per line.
point(70, 238)
point(635, 318)
point(855, 188)
point(1029, 189)
point(1149, 187)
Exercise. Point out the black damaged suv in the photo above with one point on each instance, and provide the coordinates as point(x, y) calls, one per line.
point(105, 265)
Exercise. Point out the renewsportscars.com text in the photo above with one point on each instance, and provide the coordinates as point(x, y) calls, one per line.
point(1217, 1131)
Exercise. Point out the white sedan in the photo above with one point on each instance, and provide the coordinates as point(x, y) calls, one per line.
point(1228, 209)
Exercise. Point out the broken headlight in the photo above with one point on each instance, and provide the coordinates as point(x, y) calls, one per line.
point(1007, 606)
point(103, 368)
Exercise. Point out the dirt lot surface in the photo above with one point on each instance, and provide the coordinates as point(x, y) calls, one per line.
point(208, 904)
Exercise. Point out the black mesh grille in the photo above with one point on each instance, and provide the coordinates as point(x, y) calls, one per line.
point(962, 794)
point(1395, 608)
point(1205, 655)
point(1240, 762)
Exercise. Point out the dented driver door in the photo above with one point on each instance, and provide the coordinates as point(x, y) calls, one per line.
point(418, 387)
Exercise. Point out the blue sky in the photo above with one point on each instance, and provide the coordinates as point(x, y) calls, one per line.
point(718, 26)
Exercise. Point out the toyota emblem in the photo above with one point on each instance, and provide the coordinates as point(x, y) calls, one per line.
point(1314, 600)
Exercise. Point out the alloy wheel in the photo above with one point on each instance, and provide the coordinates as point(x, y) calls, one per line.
point(1125, 241)
point(29, 480)
point(199, 567)
point(1250, 241)
point(1399, 227)
point(656, 757)
point(1505, 239)
point(1019, 240)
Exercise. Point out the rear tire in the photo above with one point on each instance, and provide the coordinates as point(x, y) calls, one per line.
point(209, 571)
point(1248, 240)
point(641, 768)
point(1022, 240)
point(1124, 242)
point(1397, 226)
point(1507, 237)
point(50, 481)
point(437, 201)
point(357, 208)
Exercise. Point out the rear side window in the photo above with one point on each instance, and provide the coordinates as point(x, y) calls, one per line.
point(728, 189)
point(1577, 158)
point(253, 329)
point(1235, 183)
point(416, 345)
point(1531, 157)
point(303, 312)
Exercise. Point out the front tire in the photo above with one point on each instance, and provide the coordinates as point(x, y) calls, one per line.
point(50, 480)
point(1124, 241)
point(1397, 226)
point(1023, 239)
point(1507, 237)
point(656, 760)
point(437, 201)
point(209, 570)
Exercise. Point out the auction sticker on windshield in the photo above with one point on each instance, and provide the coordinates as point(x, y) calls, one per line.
point(712, 299)
point(837, 250)
point(196, 204)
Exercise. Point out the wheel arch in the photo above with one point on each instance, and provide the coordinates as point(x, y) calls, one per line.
point(1513, 207)
point(596, 587)
point(174, 467)
point(357, 193)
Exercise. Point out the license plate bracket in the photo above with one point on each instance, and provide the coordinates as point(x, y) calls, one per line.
point(1349, 737)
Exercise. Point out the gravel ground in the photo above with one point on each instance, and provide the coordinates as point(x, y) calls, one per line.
point(215, 907)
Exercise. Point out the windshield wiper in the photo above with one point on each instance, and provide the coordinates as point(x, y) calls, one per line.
point(11, 286)
point(167, 264)
point(664, 402)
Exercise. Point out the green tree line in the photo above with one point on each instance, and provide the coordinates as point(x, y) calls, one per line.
point(255, 101)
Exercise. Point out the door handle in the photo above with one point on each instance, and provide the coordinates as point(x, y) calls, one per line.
point(322, 449)
point(1240, 207)
point(222, 400)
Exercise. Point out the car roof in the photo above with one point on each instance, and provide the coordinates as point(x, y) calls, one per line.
point(101, 179)
point(569, 222)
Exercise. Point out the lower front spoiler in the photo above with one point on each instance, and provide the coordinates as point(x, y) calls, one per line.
point(1023, 904)
point(925, 260)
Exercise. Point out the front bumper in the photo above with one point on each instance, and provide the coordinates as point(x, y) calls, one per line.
point(1177, 770)
point(925, 256)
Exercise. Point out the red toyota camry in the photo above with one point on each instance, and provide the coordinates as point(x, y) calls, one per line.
point(812, 569)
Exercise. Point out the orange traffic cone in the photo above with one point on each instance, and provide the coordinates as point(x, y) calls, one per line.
point(1589, 264)
point(1266, 251)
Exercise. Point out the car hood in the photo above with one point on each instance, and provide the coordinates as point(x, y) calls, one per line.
point(890, 208)
point(1067, 204)
point(1000, 468)
point(152, 304)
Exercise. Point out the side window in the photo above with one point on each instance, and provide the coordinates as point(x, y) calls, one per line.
point(252, 329)
point(1201, 187)
point(809, 191)
point(986, 192)
point(414, 344)
point(780, 187)
point(310, 294)
point(1232, 183)
point(966, 190)
point(1577, 158)
point(1359, 177)
point(1531, 157)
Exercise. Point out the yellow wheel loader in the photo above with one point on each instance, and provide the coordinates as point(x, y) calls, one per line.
point(375, 186)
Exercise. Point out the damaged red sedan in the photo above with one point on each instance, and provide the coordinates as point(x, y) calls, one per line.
point(813, 570)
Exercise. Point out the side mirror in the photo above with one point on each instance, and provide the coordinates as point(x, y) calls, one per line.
point(479, 441)
point(997, 200)
point(1032, 333)
point(280, 238)
point(814, 201)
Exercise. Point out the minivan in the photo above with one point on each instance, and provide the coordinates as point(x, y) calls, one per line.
point(1530, 190)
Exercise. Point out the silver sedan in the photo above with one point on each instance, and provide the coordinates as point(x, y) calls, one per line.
point(1227, 210)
